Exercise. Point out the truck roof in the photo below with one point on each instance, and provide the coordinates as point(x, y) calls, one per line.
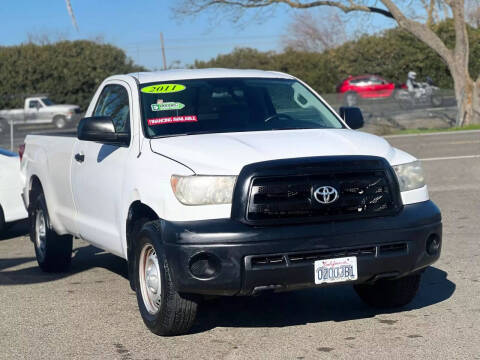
point(184, 74)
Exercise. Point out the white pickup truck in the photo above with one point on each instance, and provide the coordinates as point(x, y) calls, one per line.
point(230, 182)
point(39, 110)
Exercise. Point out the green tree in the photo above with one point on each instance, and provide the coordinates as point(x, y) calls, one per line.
point(69, 71)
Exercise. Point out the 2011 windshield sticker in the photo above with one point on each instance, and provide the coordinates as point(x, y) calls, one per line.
point(163, 88)
point(172, 120)
point(166, 106)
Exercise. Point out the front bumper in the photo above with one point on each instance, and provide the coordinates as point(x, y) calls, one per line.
point(247, 258)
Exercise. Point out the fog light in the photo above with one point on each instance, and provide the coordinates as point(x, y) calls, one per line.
point(205, 266)
point(433, 245)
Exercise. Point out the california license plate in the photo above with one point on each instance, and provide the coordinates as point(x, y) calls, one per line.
point(336, 270)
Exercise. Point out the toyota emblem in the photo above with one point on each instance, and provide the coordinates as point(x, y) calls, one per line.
point(325, 194)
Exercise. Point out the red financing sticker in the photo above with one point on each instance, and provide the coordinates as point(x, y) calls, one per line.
point(172, 120)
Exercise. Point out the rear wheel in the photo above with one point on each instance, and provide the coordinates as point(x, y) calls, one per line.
point(53, 252)
point(165, 311)
point(390, 293)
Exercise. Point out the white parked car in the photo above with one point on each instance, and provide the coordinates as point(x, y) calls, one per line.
point(12, 207)
point(230, 182)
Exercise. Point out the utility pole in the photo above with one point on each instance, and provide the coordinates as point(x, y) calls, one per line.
point(163, 52)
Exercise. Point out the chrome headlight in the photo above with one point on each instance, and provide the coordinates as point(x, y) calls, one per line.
point(410, 176)
point(203, 190)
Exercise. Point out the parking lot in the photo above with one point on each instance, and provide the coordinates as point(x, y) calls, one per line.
point(91, 311)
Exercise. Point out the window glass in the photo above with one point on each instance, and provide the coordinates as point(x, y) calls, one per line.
point(359, 81)
point(113, 102)
point(231, 105)
point(34, 104)
point(48, 102)
point(375, 80)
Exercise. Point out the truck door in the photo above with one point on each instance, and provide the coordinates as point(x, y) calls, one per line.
point(98, 173)
point(32, 110)
point(44, 115)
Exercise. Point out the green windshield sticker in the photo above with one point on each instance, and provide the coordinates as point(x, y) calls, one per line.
point(163, 88)
point(166, 106)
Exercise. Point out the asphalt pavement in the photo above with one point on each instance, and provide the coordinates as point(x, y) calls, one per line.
point(91, 312)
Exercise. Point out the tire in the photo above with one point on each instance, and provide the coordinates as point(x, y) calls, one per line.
point(390, 293)
point(351, 99)
point(60, 121)
point(53, 252)
point(164, 311)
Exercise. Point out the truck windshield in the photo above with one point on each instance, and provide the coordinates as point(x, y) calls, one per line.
point(231, 105)
point(47, 102)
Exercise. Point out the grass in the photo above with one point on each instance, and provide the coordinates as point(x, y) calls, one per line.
point(425, 131)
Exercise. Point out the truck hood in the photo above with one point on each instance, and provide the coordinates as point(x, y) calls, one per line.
point(228, 153)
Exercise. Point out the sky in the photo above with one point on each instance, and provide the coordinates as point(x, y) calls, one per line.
point(135, 26)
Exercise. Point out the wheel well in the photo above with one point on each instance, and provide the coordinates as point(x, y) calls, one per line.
point(35, 189)
point(137, 211)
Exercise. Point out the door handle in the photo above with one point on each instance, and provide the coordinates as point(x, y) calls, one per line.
point(80, 158)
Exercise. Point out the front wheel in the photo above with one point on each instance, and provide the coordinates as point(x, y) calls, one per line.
point(60, 121)
point(53, 252)
point(165, 311)
point(390, 293)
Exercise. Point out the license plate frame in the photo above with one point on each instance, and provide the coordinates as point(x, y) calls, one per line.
point(335, 270)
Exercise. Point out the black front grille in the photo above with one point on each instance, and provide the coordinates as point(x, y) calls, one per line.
point(278, 192)
point(360, 194)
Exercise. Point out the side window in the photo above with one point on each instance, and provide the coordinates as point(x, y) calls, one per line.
point(376, 80)
point(113, 102)
point(34, 104)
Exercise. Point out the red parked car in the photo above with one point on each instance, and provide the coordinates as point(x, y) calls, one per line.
point(372, 87)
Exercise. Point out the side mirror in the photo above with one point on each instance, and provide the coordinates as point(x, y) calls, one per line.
point(101, 129)
point(352, 116)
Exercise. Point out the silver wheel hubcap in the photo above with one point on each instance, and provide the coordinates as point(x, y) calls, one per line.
point(60, 123)
point(40, 234)
point(150, 279)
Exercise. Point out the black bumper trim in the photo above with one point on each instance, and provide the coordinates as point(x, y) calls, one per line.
point(403, 238)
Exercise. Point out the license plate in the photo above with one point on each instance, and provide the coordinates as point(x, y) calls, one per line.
point(336, 270)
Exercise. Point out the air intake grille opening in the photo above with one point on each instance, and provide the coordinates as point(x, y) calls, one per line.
point(287, 259)
point(393, 248)
point(268, 260)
